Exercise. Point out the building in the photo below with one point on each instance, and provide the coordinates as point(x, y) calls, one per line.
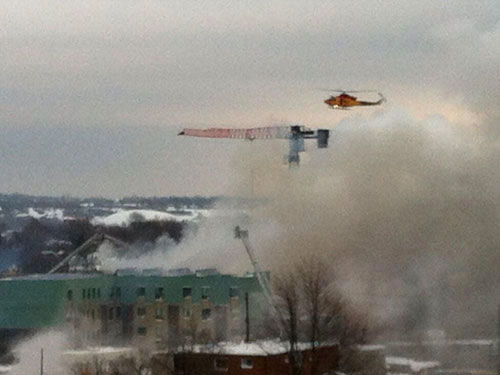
point(145, 308)
point(257, 358)
point(454, 356)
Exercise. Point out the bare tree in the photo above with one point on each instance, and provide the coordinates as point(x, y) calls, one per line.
point(288, 304)
point(311, 309)
point(321, 303)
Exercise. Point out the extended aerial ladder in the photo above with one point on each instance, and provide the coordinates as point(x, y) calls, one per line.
point(261, 277)
point(295, 134)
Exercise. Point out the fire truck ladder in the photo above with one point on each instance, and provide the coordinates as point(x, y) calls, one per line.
point(261, 277)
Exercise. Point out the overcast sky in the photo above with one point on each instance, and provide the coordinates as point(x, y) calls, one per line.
point(93, 92)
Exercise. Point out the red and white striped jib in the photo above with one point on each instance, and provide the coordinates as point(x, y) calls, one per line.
point(271, 132)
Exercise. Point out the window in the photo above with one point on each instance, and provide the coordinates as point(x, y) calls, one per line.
point(141, 331)
point(99, 293)
point(70, 295)
point(110, 314)
point(83, 294)
point(205, 314)
point(159, 314)
point(221, 364)
point(186, 292)
point(246, 363)
point(116, 292)
point(186, 312)
point(69, 315)
point(158, 332)
point(205, 292)
point(89, 293)
point(159, 293)
point(141, 311)
point(234, 292)
point(93, 293)
point(235, 313)
point(118, 312)
point(141, 292)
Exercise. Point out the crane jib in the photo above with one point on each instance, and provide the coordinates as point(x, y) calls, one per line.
point(253, 133)
point(296, 134)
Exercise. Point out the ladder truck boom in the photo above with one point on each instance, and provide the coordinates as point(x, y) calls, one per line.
point(263, 280)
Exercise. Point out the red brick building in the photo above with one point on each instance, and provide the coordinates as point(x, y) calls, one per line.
point(253, 359)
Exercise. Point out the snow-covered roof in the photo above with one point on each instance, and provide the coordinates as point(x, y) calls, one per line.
point(257, 348)
point(415, 366)
point(54, 276)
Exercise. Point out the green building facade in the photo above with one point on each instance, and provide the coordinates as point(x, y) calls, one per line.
point(129, 307)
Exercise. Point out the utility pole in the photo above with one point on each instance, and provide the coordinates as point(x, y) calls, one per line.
point(498, 341)
point(41, 361)
point(247, 319)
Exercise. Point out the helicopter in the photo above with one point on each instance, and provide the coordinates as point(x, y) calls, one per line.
point(344, 100)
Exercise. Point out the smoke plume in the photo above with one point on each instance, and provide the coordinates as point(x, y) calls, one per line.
point(28, 352)
point(405, 210)
point(407, 213)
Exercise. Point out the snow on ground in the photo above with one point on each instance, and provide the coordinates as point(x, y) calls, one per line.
point(104, 350)
point(472, 342)
point(5, 369)
point(369, 348)
point(415, 366)
point(51, 213)
point(124, 217)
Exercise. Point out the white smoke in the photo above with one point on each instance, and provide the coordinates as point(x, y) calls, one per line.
point(28, 352)
point(209, 244)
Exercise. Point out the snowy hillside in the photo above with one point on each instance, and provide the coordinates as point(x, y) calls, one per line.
point(125, 217)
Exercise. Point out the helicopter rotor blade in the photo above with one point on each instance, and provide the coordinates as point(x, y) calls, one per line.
point(347, 91)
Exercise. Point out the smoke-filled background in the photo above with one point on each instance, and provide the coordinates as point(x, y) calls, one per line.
point(404, 201)
point(404, 210)
point(92, 94)
point(407, 212)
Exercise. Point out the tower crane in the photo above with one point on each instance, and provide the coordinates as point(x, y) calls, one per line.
point(295, 134)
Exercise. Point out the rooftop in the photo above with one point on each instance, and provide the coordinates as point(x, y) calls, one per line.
point(54, 276)
point(257, 348)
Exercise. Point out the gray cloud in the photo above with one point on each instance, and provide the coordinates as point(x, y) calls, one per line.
point(164, 65)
